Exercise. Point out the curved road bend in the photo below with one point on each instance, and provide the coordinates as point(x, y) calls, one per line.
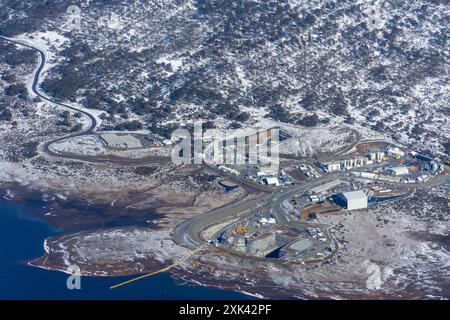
point(35, 88)
point(187, 233)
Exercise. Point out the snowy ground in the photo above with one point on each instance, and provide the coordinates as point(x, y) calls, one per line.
point(384, 252)
point(84, 145)
point(134, 248)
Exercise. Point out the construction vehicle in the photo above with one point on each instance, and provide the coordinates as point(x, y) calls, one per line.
point(241, 229)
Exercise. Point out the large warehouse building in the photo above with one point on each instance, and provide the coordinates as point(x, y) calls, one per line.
point(353, 200)
point(399, 171)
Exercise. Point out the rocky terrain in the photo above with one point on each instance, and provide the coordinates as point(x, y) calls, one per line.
point(384, 252)
point(331, 71)
point(156, 64)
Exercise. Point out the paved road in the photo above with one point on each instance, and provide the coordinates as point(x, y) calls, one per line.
point(46, 147)
point(187, 233)
point(35, 88)
point(240, 179)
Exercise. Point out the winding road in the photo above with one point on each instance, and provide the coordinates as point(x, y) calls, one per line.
point(187, 233)
point(36, 90)
point(46, 146)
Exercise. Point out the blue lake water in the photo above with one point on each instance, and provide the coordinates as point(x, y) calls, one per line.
point(21, 240)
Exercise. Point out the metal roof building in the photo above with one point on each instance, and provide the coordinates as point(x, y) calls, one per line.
point(399, 171)
point(272, 181)
point(395, 152)
point(353, 200)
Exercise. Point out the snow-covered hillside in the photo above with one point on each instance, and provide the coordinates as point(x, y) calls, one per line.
point(381, 64)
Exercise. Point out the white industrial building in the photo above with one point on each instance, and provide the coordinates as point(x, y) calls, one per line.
point(229, 170)
point(266, 173)
point(113, 140)
point(399, 171)
point(395, 152)
point(347, 164)
point(353, 200)
point(366, 175)
point(376, 156)
point(272, 181)
point(332, 166)
point(354, 163)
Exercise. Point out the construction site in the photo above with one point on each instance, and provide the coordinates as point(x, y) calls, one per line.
point(262, 237)
point(286, 227)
